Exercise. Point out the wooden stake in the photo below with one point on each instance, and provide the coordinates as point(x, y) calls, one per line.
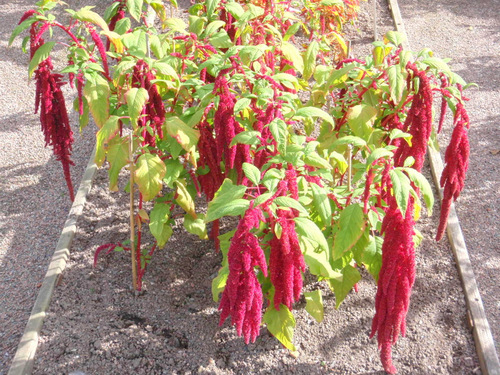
point(132, 224)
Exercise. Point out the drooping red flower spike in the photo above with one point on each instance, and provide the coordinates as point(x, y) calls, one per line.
point(457, 163)
point(242, 297)
point(418, 122)
point(49, 101)
point(395, 281)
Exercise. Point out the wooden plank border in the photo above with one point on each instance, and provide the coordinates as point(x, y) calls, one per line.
point(23, 361)
point(485, 345)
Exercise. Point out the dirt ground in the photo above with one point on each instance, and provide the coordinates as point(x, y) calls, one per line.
point(96, 325)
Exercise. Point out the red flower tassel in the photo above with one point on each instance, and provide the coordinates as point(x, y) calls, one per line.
point(242, 297)
point(395, 281)
point(457, 163)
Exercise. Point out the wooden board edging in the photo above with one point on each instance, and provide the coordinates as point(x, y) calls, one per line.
point(23, 361)
point(485, 346)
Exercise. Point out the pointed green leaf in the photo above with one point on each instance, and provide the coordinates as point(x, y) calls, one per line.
point(351, 226)
point(41, 54)
point(401, 189)
point(307, 228)
point(20, 28)
point(158, 223)
point(322, 204)
point(227, 201)
point(290, 202)
point(187, 137)
point(314, 304)
point(377, 154)
point(149, 174)
point(395, 37)
point(252, 173)
point(314, 112)
point(97, 93)
point(219, 283)
point(249, 137)
point(135, 9)
point(87, 15)
point(425, 188)
point(360, 119)
point(397, 82)
point(196, 226)
point(292, 54)
point(103, 136)
point(184, 199)
point(281, 324)
point(241, 105)
point(136, 99)
point(117, 157)
point(350, 276)
point(279, 131)
point(310, 59)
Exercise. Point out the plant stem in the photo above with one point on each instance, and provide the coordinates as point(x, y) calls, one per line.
point(349, 167)
point(132, 224)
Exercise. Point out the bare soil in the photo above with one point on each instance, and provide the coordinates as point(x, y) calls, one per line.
point(97, 325)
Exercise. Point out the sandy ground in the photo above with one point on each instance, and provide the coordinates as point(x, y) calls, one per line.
point(97, 326)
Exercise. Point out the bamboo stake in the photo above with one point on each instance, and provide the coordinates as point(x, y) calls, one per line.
point(132, 224)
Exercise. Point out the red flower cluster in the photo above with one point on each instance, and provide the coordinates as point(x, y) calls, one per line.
point(286, 262)
point(49, 100)
point(395, 281)
point(418, 122)
point(242, 297)
point(457, 162)
point(226, 128)
point(154, 110)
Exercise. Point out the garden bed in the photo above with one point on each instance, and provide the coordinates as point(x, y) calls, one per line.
point(96, 324)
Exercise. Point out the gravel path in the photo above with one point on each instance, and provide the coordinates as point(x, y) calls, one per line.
point(469, 33)
point(34, 201)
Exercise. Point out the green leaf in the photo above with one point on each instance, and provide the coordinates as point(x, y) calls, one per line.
point(219, 283)
point(41, 54)
point(241, 105)
point(149, 174)
point(314, 112)
point(187, 137)
point(314, 304)
point(221, 40)
point(315, 160)
point(401, 189)
point(317, 262)
point(117, 157)
point(227, 201)
point(439, 65)
point(360, 119)
point(235, 9)
point(281, 324)
point(397, 82)
point(184, 199)
point(103, 136)
point(307, 228)
point(395, 38)
point(322, 204)
point(341, 288)
point(310, 59)
point(290, 202)
point(292, 54)
point(425, 188)
point(158, 223)
point(279, 131)
point(211, 6)
point(377, 154)
point(349, 139)
point(87, 15)
point(249, 137)
point(97, 93)
point(135, 9)
point(252, 173)
point(351, 226)
point(20, 28)
point(251, 53)
point(196, 226)
point(136, 99)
